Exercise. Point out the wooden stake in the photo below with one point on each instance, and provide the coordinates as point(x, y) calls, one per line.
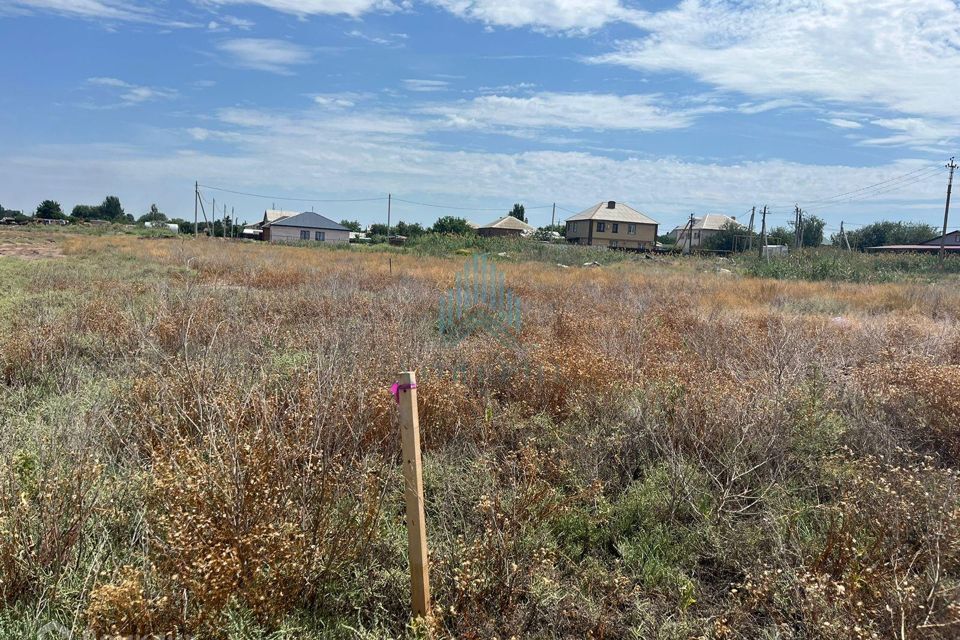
point(413, 495)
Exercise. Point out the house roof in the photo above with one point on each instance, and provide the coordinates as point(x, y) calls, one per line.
point(509, 222)
point(618, 212)
point(710, 222)
point(936, 240)
point(272, 215)
point(310, 220)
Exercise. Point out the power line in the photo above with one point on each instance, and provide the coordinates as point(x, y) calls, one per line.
point(934, 168)
point(880, 192)
point(458, 208)
point(287, 199)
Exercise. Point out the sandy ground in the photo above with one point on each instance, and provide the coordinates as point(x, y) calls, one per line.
point(28, 248)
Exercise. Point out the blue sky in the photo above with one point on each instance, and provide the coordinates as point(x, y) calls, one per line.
point(703, 107)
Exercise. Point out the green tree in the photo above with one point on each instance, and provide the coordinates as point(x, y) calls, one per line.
point(353, 225)
point(886, 232)
point(780, 235)
point(155, 215)
point(729, 238)
point(812, 228)
point(414, 230)
point(110, 209)
point(50, 210)
point(85, 212)
point(452, 225)
point(378, 229)
point(518, 212)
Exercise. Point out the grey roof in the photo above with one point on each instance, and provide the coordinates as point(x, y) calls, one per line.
point(618, 213)
point(310, 220)
point(509, 222)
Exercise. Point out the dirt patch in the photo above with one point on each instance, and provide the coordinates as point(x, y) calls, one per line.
point(30, 251)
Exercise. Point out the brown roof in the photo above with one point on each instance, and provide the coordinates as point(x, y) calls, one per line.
point(509, 222)
point(612, 211)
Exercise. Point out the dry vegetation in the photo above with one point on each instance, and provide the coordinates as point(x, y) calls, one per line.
point(198, 437)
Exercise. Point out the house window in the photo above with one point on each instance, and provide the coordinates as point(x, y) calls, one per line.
point(304, 234)
point(601, 227)
point(632, 229)
point(320, 236)
point(616, 227)
point(613, 243)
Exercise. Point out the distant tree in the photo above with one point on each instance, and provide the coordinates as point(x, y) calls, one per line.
point(728, 238)
point(86, 212)
point(155, 215)
point(110, 209)
point(353, 225)
point(184, 225)
point(886, 232)
point(50, 210)
point(452, 225)
point(378, 229)
point(812, 228)
point(780, 235)
point(414, 230)
point(666, 239)
point(518, 212)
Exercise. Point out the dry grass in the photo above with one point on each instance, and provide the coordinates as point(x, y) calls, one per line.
point(200, 439)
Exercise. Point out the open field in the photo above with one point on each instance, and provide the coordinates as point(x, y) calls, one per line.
point(198, 438)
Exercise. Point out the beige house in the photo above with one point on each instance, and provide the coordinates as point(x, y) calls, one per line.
point(305, 227)
point(703, 229)
point(612, 224)
point(506, 226)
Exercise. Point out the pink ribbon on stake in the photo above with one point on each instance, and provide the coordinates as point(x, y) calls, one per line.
point(396, 388)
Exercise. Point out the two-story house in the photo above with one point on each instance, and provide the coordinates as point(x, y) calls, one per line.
point(612, 224)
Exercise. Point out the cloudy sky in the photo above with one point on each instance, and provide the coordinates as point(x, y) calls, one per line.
point(847, 107)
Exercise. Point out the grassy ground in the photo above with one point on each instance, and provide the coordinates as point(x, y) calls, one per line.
point(198, 437)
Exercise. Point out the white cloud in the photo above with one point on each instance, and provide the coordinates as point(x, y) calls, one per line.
point(131, 94)
point(915, 132)
point(843, 123)
point(263, 54)
point(897, 55)
point(106, 9)
point(391, 41)
point(99, 10)
point(567, 111)
point(354, 8)
point(554, 15)
point(343, 100)
point(425, 86)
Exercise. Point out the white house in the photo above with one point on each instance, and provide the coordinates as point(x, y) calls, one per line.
point(305, 227)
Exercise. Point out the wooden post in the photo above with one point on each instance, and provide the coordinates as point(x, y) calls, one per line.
point(413, 495)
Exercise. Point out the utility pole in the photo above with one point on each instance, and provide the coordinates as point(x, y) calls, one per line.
point(753, 212)
point(196, 199)
point(553, 216)
point(233, 224)
point(212, 232)
point(389, 203)
point(843, 233)
point(763, 230)
point(690, 236)
point(946, 211)
point(798, 227)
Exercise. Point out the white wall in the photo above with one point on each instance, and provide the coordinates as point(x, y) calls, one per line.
point(292, 234)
